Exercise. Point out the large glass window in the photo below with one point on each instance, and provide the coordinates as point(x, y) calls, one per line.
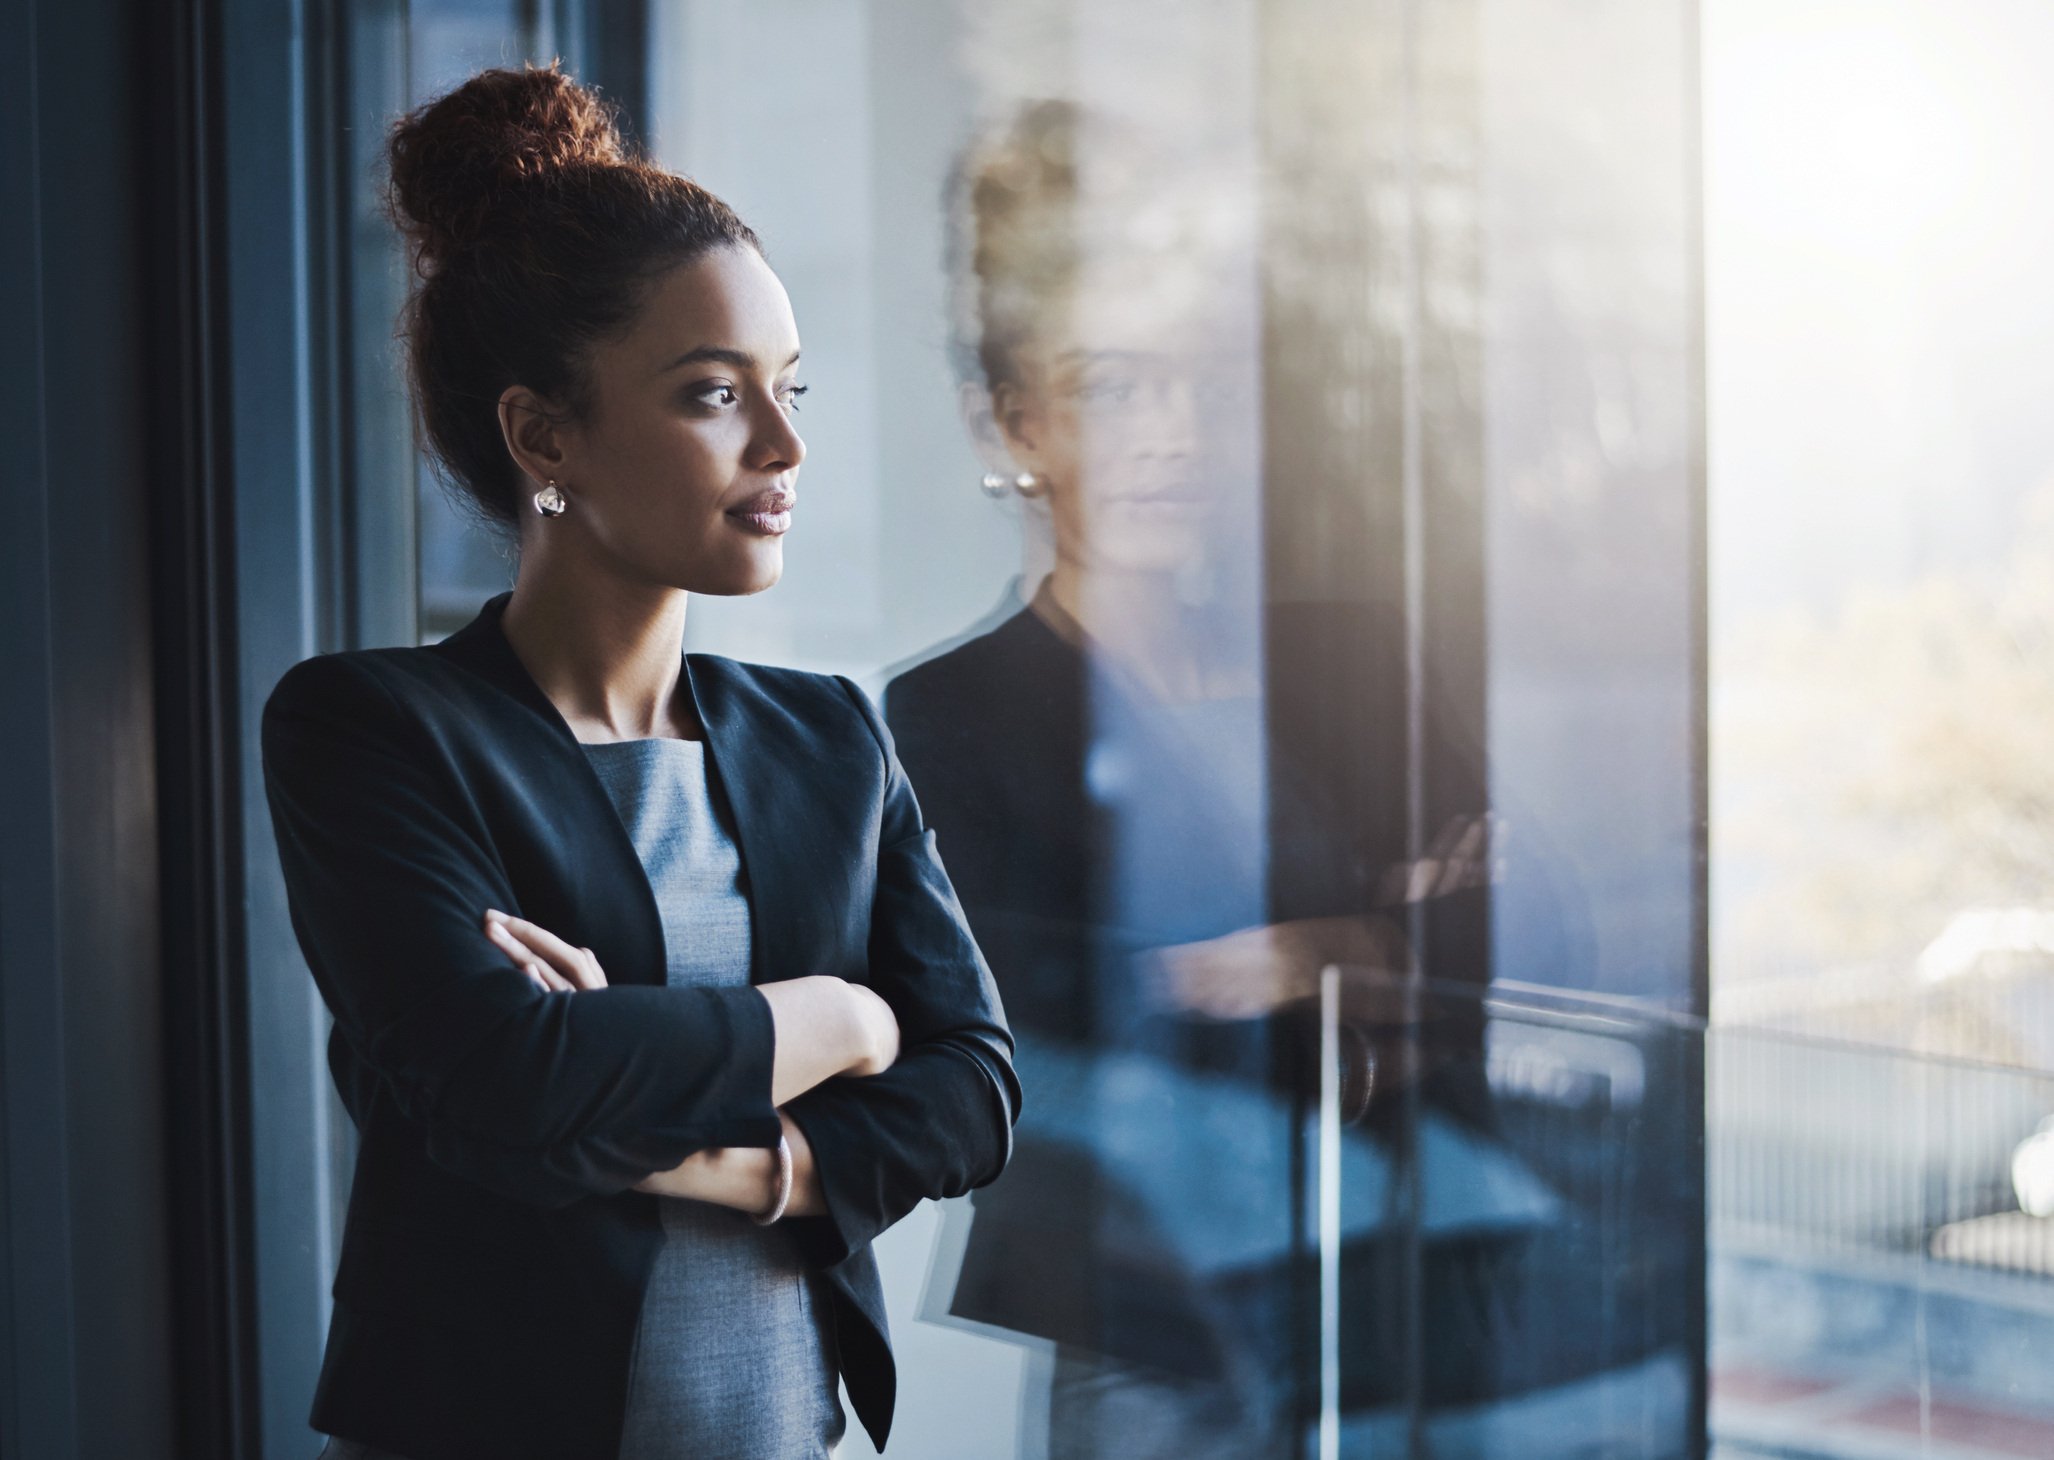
point(1463, 586)
point(1880, 445)
point(1254, 458)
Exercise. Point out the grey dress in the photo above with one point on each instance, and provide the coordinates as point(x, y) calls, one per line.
point(735, 1352)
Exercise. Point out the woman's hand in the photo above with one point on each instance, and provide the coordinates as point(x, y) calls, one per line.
point(1255, 971)
point(822, 1026)
point(826, 1026)
point(866, 1037)
point(880, 1032)
point(1386, 1029)
point(1468, 852)
point(744, 1177)
point(544, 957)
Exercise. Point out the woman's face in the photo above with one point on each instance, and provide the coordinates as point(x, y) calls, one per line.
point(684, 471)
point(1108, 410)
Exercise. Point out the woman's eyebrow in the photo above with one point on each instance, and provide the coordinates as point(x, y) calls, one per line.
point(1081, 361)
point(722, 355)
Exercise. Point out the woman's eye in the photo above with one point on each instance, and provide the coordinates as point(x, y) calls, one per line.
point(792, 396)
point(725, 392)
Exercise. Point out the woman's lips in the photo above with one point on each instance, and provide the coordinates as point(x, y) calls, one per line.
point(769, 514)
point(1161, 506)
point(770, 524)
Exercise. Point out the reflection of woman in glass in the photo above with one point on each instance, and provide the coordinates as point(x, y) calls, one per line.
point(653, 1006)
point(1098, 770)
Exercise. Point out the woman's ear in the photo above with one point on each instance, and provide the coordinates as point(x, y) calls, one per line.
point(1015, 424)
point(530, 426)
point(973, 404)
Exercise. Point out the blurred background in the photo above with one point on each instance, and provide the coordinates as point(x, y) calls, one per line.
point(1619, 425)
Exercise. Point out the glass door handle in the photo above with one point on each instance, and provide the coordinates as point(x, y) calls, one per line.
point(1329, 1208)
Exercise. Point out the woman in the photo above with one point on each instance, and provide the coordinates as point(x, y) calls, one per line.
point(653, 1005)
point(1167, 806)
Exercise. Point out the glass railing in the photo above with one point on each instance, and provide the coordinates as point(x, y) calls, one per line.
point(1517, 1247)
point(1456, 1224)
point(1876, 1288)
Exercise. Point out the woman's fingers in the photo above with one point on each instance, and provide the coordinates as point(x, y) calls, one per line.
point(1236, 975)
point(1454, 831)
point(1466, 852)
point(1462, 865)
point(558, 954)
point(515, 950)
point(1478, 858)
point(542, 955)
point(518, 953)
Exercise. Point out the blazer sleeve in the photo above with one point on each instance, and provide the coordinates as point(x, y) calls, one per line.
point(940, 1121)
point(544, 1097)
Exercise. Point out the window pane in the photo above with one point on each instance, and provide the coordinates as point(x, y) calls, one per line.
point(1881, 1057)
point(1253, 455)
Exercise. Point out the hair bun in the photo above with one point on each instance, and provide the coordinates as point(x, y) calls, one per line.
point(452, 161)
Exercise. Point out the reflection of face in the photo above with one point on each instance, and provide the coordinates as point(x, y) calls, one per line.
point(1110, 412)
point(684, 471)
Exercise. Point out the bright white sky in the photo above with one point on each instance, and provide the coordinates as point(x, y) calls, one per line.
point(1880, 288)
point(1879, 191)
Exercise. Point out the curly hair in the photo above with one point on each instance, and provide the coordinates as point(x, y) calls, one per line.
point(1056, 192)
point(533, 235)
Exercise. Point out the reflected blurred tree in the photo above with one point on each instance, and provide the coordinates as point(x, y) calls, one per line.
point(1883, 768)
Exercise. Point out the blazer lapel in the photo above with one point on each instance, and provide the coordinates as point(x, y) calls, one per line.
point(610, 893)
point(791, 754)
point(765, 769)
point(772, 812)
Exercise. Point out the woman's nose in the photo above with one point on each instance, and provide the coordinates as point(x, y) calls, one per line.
point(778, 445)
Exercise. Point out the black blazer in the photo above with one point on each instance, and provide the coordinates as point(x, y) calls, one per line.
point(998, 731)
point(494, 1255)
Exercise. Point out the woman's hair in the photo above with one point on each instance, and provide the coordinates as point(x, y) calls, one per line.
point(1012, 250)
point(534, 235)
point(1060, 190)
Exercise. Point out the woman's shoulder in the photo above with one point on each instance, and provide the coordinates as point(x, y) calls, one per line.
point(994, 667)
point(386, 682)
point(335, 681)
point(345, 706)
point(807, 702)
point(774, 682)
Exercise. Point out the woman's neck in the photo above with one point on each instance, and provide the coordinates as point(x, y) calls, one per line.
point(608, 655)
point(1136, 620)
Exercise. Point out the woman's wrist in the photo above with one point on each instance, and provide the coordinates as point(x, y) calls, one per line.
point(781, 1192)
point(805, 1199)
point(823, 1026)
point(745, 1178)
point(731, 1176)
point(874, 1032)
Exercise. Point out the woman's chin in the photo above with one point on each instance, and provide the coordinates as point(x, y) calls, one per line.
point(764, 566)
point(768, 567)
point(1162, 557)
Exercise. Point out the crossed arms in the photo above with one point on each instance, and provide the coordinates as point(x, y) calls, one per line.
point(548, 1096)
